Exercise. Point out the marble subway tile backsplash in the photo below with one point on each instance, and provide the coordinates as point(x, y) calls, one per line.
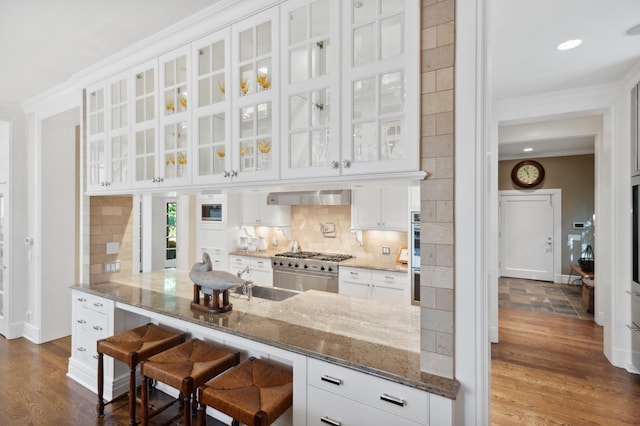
point(305, 226)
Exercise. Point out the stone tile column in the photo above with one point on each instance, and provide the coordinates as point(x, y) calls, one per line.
point(437, 191)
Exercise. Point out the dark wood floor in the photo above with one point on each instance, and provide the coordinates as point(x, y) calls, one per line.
point(34, 389)
point(549, 369)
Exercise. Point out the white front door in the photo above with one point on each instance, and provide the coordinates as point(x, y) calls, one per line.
point(4, 326)
point(527, 235)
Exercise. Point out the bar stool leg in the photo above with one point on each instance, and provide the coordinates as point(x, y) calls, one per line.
point(100, 406)
point(132, 396)
point(145, 401)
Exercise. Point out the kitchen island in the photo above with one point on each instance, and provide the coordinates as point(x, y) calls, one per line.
point(311, 331)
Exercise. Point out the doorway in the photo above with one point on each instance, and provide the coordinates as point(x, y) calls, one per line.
point(171, 249)
point(530, 229)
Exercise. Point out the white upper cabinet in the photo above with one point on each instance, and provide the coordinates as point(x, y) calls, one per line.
point(256, 211)
point(96, 136)
point(212, 106)
point(385, 208)
point(311, 79)
point(174, 154)
point(380, 86)
point(145, 125)
point(108, 147)
point(305, 89)
point(255, 89)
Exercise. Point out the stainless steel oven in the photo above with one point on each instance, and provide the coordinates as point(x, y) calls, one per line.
point(306, 271)
point(415, 257)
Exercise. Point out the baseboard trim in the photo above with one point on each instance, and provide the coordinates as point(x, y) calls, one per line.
point(31, 332)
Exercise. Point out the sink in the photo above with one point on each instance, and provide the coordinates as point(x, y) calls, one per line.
point(269, 293)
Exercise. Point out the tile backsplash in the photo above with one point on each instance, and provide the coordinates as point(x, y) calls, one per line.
point(306, 228)
point(111, 221)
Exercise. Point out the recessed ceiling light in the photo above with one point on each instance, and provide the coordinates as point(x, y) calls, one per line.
point(635, 30)
point(528, 149)
point(569, 44)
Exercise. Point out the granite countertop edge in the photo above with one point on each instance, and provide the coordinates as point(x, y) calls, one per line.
point(434, 384)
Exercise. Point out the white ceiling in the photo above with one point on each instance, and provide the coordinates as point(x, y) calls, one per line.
point(43, 43)
point(523, 61)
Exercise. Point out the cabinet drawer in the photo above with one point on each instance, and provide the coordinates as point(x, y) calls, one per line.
point(84, 350)
point(355, 274)
point(400, 400)
point(328, 409)
point(388, 278)
point(92, 323)
point(89, 301)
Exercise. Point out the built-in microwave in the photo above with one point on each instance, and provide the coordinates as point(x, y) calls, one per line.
point(211, 212)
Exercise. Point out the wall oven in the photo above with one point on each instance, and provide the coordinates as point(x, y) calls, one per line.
point(635, 272)
point(415, 257)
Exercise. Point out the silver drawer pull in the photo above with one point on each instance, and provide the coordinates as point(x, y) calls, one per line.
point(81, 299)
point(98, 305)
point(81, 349)
point(97, 328)
point(95, 356)
point(331, 380)
point(353, 273)
point(387, 277)
point(394, 400)
point(329, 421)
point(633, 293)
point(81, 321)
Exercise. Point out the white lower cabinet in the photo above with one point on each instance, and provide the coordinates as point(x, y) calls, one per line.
point(326, 408)
point(341, 396)
point(94, 319)
point(387, 286)
point(260, 271)
point(219, 257)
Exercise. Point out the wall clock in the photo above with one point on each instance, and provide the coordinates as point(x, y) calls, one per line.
point(527, 174)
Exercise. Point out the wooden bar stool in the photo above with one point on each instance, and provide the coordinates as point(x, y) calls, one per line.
point(256, 393)
point(131, 347)
point(185, 367)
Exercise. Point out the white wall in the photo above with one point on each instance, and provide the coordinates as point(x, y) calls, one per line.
point(57, 222)
point(16, 255)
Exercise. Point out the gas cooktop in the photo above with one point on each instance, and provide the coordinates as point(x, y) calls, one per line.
point(326, 257)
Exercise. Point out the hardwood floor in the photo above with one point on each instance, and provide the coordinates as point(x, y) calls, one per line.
point(34, 389)
point(549, 370)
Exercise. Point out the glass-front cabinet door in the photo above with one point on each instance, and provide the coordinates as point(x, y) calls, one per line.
point(212, 104)
point(310, 120)
point(174, 154)
point(380, 86)
point(255, 86)
point(96, 136)
point(118, 149)
point(145, 124)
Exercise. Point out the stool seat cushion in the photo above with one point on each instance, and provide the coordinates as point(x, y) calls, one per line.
point(189, 365)
point(254, 387)
point(143, 341)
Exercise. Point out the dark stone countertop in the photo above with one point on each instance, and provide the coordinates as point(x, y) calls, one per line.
point(382, 339)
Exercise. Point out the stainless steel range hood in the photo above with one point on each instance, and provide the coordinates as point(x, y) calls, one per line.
point(326, 197)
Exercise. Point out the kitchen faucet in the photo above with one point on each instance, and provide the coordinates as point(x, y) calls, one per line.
point(247, 286)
